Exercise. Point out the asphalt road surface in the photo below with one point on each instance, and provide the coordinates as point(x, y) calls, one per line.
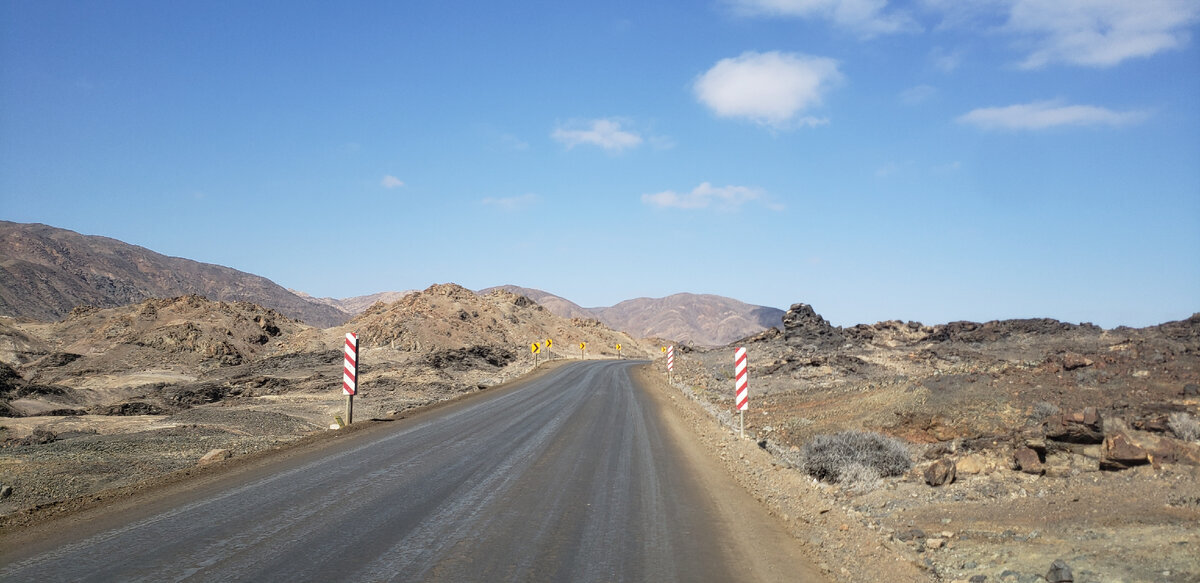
point(571, 476)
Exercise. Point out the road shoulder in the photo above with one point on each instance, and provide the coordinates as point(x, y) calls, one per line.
point(791, 522)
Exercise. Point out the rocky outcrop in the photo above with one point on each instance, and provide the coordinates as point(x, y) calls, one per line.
point(1081, 427)
point(804, 328)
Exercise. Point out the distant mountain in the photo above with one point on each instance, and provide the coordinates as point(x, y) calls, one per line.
point(700, 319)
point(357, 304)
point(45, 272)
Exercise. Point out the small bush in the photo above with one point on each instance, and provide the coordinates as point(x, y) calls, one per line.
point(1043, 410)
point(1184, 426)
point(855, 455)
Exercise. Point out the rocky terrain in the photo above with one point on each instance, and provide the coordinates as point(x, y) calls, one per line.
point(695, 319)
point(109, 397)
point(46, 272)
point(1033, 440)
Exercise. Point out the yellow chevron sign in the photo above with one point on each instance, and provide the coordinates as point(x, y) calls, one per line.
point(535, 348)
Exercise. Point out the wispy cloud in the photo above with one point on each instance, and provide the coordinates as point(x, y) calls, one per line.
point(605, 133)
point(390, 181)
point(865, 17)
point(511, 202)
point(704, 196)
point(1100, 33)
point(917, 95)
point(946, 61)
point(771, 89)
point(1041, 115)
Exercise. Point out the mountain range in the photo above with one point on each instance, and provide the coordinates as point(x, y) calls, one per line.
point(46, 272)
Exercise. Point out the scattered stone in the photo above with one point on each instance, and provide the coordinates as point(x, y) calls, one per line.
point(1027, 461)
point(5, 491)
point(935, 543)
point(910, 534)
point(214, 456)
point(1059, 573)
point(940, 472)
point(1191, 390)
point(1121, 454)
point(978, 579)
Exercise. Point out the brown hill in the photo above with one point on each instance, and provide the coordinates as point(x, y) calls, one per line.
point(700, 319)
point(704, 320)
point(46, 272)
point(556, 304)
point(357, 304)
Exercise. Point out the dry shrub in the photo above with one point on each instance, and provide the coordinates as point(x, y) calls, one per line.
point(1184, 426)
point(851, 456)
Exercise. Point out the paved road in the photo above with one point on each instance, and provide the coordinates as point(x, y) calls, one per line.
point(570, 477)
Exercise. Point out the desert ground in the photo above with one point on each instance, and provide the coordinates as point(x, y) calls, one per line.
point(1046, 441)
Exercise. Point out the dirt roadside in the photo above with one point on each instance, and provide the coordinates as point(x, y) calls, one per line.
point(827, 535)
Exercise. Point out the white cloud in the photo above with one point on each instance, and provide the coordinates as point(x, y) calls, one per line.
point(917, 95)
point(390, 181)
point(606, 133)
point(1090, 33)
point(704, 196)
point(865, 17)
point(511, 202)
point(1047, 114)
point(769, 88)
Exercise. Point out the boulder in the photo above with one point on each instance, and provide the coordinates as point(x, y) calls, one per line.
point(214, 456)
point(1080, 427)
point(1120, 453)
point(1072, 361)
point(940, 472)
point(970, 465)
point(1059, 572)
point(1191, 390)
point(1027, 461)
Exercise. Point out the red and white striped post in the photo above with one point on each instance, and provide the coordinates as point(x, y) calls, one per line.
point(670, 361)
point(741, 384)
point(350, 374)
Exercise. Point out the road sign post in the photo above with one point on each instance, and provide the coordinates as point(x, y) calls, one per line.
point(535, 348)
point(619, 357)
point(549, 355)
point(582, 347)
point(670, 362)
point(741, 383)
point(350, 374)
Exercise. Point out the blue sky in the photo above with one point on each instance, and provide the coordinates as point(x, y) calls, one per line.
point(933, 160)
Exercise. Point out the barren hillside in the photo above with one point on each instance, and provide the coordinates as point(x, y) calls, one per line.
point(46, 272)
point(1028, 427)
point(699, 319)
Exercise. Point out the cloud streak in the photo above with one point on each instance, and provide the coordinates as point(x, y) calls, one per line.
point(1100, 33)
point(1041, 115)
point(772, 89)
point(704, 196)
point(865, 17)
point(390, 181)
point(605, 133)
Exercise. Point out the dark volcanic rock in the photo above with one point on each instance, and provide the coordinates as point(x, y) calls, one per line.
point(1081, 427)
point(940, 472)
point(804, 327)
point(1059, 572)
point(1120, 453)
